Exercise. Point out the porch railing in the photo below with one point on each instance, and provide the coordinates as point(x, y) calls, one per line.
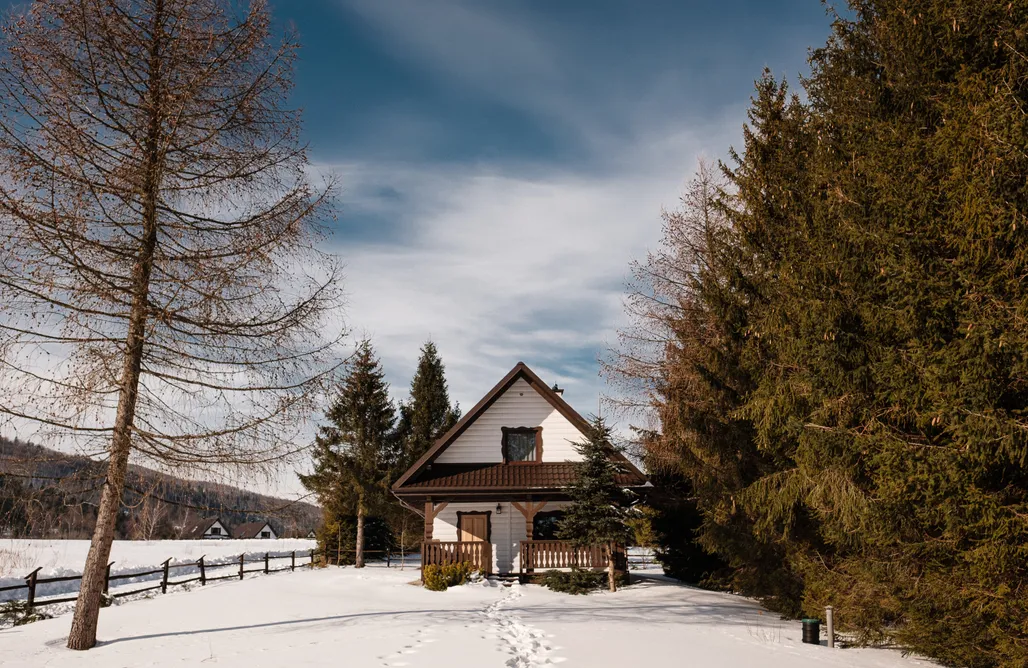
point(547, 554)
point(478, 553)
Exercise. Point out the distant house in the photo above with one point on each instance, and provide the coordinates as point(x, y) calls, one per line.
point(211, 527)
point(255, 530)
point(312, 534)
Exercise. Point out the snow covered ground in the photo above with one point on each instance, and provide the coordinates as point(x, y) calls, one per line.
point(374, 617)
point(66, 557)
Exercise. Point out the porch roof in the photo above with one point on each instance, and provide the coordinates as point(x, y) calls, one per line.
point(504, 477)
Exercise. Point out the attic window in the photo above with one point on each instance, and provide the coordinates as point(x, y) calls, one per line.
point(522, 444)
point(215, 531)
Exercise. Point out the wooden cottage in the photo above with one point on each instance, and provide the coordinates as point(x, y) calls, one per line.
point(492, 488)
point(255, 530)
point(207, 528)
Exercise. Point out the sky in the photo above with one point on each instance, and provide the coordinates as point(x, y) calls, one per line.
point(502, 162)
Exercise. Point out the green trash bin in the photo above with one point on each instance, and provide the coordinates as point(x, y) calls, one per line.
point(812, 631)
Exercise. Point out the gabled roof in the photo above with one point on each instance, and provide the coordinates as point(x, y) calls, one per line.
point(519, 372)
point(505, 478)
point(200, 528)
point(251, 529)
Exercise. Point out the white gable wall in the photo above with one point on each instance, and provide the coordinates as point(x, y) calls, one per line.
point(519, 406)
point(222, 534)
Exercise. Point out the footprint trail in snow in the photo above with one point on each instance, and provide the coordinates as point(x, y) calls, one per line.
point(527, 645)
point(401, 658)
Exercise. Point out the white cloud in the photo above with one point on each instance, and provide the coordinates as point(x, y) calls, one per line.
point(500, 266)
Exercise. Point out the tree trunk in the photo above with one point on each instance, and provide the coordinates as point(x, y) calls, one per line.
point(612, 581)
point(87, 606)
point(359, 559)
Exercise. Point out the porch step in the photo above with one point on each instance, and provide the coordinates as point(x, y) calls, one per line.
point(505, 580)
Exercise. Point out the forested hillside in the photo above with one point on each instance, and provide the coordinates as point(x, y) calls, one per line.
point(49, 494)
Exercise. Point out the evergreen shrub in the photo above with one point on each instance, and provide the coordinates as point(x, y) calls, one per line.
point(442, 577)
point(577, 581)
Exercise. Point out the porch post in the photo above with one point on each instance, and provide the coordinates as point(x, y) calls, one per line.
point(429, 520)
point(431, 510)
point(529, 510)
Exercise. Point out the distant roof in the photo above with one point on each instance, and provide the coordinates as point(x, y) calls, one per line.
point(250, 529)
point(506, 477)
point(200, 528)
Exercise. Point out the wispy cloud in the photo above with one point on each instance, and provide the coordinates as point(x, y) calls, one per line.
point(499, 266)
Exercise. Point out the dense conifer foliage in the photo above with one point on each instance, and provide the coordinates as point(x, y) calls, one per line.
point(428, 414)
point(841, 369)
point(598, 512)
point(355, 451)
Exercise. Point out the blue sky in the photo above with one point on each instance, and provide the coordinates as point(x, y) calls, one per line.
point(503, 162)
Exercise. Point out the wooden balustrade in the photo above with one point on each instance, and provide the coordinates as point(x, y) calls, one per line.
point(547, 554)
point(478, 553)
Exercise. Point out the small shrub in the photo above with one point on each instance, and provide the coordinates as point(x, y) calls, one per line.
point(575, 581)
point(440, 578)
point(16, 613)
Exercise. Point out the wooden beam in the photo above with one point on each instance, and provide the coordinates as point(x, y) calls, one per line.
point(431, 510)
point(528, 511)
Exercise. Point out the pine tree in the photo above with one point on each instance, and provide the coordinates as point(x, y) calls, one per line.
point(599, 507)
point(428, 414)
point(354, 452)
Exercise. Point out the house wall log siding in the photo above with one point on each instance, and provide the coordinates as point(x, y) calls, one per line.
point(519, 406)
point(507, 529)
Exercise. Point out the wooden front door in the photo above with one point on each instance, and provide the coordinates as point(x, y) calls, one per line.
point(473, 527)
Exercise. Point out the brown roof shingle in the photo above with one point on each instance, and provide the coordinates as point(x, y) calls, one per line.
point(467, 477)
point(249, 530)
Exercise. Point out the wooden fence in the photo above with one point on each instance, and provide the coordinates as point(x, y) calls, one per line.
point(32, 580)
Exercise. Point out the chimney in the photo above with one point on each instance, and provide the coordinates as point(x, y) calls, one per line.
point(558, 390)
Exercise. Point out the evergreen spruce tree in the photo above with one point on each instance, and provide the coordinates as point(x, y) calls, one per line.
point(354, 452)
point(847, 398)
point(428, 414)
point(599, 505)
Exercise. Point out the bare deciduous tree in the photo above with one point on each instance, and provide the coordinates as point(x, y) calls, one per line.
point(151, 515)
point(664, 309)
point(162, 295)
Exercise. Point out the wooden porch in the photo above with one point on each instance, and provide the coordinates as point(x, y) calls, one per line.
point(477, 553)
point(535, 555)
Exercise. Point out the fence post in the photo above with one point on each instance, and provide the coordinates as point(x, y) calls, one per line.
point(164, 579)
point(830, 620)
point(389, 554)
point(312, 559)
point(107, 579)
point(31, 581)
point(241, 566)
point(265, 563)
point(292, 563)
point(203, 571)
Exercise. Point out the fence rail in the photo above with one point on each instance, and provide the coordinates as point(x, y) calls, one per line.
point(547, 554)
point(32, 580)
point(477, 553)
